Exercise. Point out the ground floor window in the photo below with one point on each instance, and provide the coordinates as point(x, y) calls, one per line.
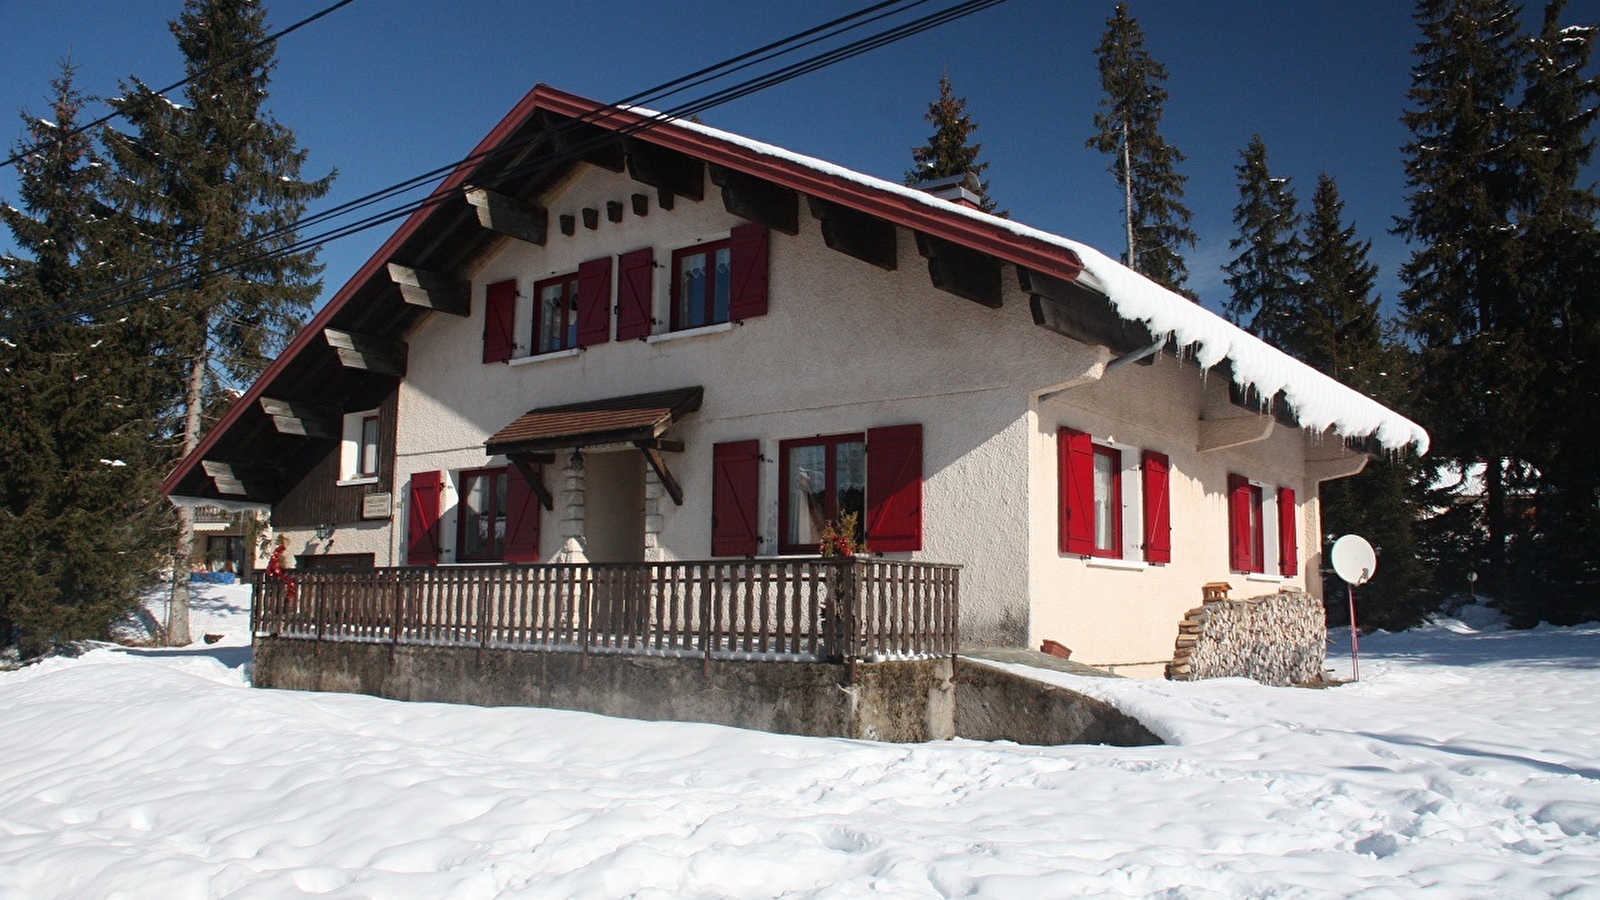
point(225, 553)
point(1113, 500)
point(1253, 528)
point(481, 515)
point(823, 480)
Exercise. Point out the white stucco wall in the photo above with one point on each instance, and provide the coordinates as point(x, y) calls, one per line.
point(1124, 613)
point(846, 347)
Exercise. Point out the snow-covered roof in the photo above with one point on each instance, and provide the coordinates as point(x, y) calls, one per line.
point(1318, 401)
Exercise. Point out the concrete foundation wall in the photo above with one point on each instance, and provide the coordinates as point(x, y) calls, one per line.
point(903, 700)
point(994, 705)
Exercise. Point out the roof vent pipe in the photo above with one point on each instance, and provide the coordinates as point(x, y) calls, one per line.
point(962, 190)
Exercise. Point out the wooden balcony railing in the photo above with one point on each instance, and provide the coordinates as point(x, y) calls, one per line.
point(847, 610)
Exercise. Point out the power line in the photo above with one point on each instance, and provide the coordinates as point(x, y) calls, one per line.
point(186, 277)
point(761, 82)
point(45, 145)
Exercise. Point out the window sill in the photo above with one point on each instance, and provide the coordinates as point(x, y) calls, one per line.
point(1126, 565)
point(1269, 579)
point(356, 482)
point(689, 332)
point(543, 357)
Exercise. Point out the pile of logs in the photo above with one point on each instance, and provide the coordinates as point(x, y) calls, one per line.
point(1277, 639)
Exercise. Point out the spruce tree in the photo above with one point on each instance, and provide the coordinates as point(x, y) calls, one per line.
point(1143, 163)
point(215, 183)
point(1462, 299)
point(950, 150)
point(1264, 277)
point(1559, 569)
point(81, 526)
point(1340, 331)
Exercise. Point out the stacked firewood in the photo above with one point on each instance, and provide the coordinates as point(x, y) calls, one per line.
point(1275, 639)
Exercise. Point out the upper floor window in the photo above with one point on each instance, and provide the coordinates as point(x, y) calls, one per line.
point(367, 452)
point(360, 447)
point(702, 285)
point(555, 315)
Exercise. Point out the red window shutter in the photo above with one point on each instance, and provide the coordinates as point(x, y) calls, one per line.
point(747, 267)
point(735, 492)
point(498, 321)
point(1075, 487)
point(1157, 508)
point(522, 518)
point(635, 276)
point(422, 521)
point(594, 302)
point(894, 488)
point(1288, 538)
point(1241, 539)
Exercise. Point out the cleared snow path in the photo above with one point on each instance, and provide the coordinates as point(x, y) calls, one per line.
point(1466, 764)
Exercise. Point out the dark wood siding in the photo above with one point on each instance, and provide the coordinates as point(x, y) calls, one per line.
point(318, 499)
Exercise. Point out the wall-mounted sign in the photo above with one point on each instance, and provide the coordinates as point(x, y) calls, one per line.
point(376, 506)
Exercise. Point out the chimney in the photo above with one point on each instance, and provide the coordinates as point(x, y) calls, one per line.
point(961, 190)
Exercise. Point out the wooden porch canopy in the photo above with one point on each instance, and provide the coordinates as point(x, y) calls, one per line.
point(638, 420)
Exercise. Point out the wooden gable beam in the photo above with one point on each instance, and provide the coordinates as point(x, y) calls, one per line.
point(1082, 314)
point(509, 216)
point(380, 356)
point(667, 170)
point(304, 419)
point(535, 477)
point(758, 200)
point(431, 290)
point(235, 480)
point(959, 270)
point(590, 143)
point(652, 453)
point(854, 233)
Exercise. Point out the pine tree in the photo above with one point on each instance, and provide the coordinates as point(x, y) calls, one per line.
point(80, 522)
point(1559, 569)
point(1264, 278)
point(1142, 162)
point(216, 186)
point(1463, 280)
point(949, 150)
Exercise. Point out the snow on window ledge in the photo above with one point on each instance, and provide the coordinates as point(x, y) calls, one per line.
point(1268, 579)
point(544, 357)
point(353, 482)
point(1126, 565)
point(689, 332)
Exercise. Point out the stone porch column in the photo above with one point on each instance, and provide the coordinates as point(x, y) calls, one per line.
point(573, 546)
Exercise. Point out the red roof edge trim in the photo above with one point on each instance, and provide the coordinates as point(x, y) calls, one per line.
point(374, 265)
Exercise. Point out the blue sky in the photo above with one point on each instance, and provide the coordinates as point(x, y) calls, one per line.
point(386, 89)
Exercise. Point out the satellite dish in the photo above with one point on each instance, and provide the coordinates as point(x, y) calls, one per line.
point(1354, 559)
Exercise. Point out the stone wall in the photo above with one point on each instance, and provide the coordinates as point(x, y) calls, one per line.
point(1276, 639)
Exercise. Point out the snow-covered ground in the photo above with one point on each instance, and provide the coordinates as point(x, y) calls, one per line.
point(1466, 763)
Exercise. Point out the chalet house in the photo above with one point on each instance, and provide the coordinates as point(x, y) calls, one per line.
point(612, 339)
